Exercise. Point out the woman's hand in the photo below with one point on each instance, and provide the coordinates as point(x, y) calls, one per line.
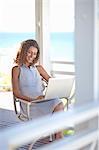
point(40, 97)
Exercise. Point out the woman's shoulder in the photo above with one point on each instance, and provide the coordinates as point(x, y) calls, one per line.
point(15, 68)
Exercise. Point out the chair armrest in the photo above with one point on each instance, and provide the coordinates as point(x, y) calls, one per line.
point(29, 103)
point(68, 100)
point(71, 97)
point(23, 101)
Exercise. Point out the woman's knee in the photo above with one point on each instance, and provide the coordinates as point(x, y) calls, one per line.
point(59, 107)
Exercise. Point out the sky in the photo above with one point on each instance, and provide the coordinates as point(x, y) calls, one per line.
point(19, 15)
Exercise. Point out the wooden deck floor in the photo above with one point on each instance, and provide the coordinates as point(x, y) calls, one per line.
point(8, 119)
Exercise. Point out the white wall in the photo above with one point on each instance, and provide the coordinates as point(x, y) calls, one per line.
point(86, 52)
point(86, 58)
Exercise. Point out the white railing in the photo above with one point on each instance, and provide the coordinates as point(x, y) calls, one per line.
point(62, 68)
point(75, 142)
point(24, 133)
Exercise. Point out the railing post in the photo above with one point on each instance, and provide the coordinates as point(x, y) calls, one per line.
point(86, 58)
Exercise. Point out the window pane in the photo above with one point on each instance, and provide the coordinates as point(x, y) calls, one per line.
point(17, 23)
point(62, 29)
point(62, 34)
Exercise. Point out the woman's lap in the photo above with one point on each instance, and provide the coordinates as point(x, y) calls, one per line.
point(43, 108)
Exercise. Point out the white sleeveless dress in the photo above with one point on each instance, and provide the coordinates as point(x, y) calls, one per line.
point(30, 84)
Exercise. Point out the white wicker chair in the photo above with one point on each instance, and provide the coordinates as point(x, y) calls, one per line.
point(22, 117)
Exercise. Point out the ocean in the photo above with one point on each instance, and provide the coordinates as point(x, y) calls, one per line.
point(61, 45)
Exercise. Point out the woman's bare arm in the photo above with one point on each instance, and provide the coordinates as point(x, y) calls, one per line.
point(15, 84)
point(43, 72)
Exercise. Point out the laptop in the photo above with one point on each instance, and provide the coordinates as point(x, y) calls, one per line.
point(58, 88)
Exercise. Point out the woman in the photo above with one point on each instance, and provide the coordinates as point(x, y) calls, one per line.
point(27, 82)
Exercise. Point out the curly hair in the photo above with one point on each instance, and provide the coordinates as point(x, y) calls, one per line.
point(22, 52)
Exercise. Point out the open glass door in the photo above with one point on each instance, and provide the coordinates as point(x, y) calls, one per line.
point(17, 23)
point(62, 36)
